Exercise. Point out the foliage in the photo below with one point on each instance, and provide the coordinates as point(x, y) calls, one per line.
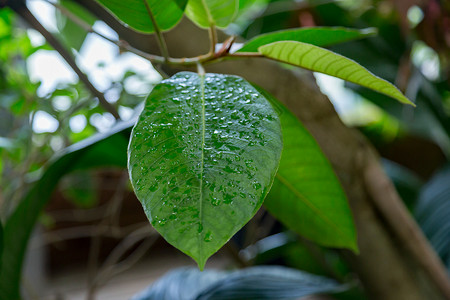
point(206, 148)
point(262, 282)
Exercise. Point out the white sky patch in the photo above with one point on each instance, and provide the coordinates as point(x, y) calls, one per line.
point(50, 69)
point(77, 123)
point(45, 13)
point(102, 122)
point(343, 99)
point(61, 103)
point(35, 37)
point(125, 113)
point(44, 122)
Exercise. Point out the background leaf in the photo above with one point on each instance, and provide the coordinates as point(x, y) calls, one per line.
point(306, 195)
point(263, 282)
point(134, 13)
point(318, 36)
point(433, 213)
point(202, 158)
point(324, 61)
point(205, 13)
point(107, 149)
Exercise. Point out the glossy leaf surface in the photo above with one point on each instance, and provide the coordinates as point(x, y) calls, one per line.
point(255, 283)
point(306, 195)
point(202, 158)
point(318, 36)
point(134, 13)
point(324, 61)
point(205, 13)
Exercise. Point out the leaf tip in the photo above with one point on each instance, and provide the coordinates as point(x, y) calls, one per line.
point(371, 31)
point(201, 262)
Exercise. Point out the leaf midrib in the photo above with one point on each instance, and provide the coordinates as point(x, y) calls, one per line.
point(305, 200)
point(202, 95)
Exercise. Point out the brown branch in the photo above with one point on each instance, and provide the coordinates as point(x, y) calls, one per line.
point(34, 23)
point(396, 214)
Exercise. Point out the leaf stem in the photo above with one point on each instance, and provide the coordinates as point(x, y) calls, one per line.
point(159, 36)
point(212, 38)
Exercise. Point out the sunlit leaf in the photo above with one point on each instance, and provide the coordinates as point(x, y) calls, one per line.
point(205, 13)
point(306, 195)
point(318, 36)
point(324, 61)
point(202, 158)
point(167, 13)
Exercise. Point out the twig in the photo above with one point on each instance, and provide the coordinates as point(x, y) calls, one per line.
point(29, 17)
point(159, 36)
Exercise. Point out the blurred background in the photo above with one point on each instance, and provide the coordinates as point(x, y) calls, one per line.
point(93, 240)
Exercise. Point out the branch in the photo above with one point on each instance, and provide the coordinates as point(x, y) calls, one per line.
point(34, 23)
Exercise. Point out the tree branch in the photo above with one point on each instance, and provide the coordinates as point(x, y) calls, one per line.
point(34, 23)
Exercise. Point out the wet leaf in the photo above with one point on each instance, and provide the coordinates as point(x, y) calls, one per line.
point(202, 158)
point(324, 61)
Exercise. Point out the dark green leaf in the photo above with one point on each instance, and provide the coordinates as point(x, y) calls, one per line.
point(324, 61)
point(107, 149)
point(263, 282)
point(202, 158)
point(318, 36)
point(205, 13)
point(433, 213)
point(167, 13)
point(306, 195)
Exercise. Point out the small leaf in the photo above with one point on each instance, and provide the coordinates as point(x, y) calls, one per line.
point(202, 158)
point(306, 195)
point(205, 13)
point(167, 13)
point(318, 36)
point(324, 61)
point(261, 282)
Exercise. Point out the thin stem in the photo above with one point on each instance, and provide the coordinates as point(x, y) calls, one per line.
point(212, 38)
point(245, 54)
point(159, 36)
point(34, 23)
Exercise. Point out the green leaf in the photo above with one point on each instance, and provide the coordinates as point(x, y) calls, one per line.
point(306, 195)
point(318, 36)
point(167, 13)
point(205, 13)
point(107, 149)
point(324, 61)
point(202, 158)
